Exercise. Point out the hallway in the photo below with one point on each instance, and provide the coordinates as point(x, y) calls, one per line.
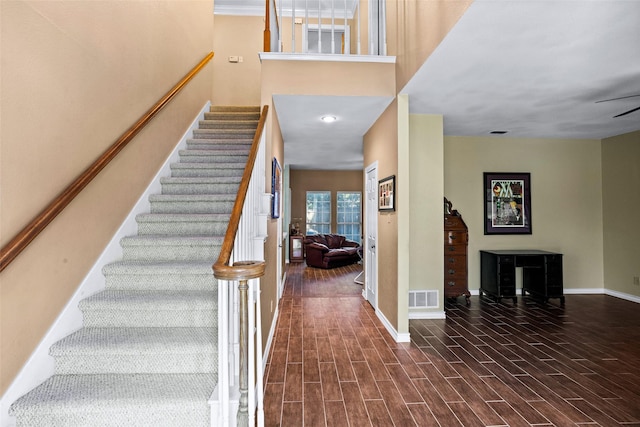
point(332, 363)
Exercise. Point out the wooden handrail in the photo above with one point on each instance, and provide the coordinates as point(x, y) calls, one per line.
point(12, 249)
point(243, 270)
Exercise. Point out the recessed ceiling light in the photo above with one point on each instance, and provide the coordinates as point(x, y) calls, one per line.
point(498, 132)
point(328, 119)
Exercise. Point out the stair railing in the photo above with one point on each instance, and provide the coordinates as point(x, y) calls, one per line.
point(334, 18)
point(239, 308)
point(19, 243)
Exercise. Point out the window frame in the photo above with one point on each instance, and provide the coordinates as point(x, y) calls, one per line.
point(357, 238)
point(320, 224)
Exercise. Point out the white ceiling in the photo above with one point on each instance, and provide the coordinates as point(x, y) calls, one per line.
point(311, 143)
point(533, 68)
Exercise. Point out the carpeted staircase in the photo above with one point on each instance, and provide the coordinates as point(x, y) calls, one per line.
point(147, 354)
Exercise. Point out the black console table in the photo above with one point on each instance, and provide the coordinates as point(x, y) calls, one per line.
point(541, 274)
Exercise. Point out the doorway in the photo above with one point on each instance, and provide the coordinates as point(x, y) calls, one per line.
point(370, 290)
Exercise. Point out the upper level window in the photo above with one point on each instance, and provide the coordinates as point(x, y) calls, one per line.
point(318, 212)
point(349, 215)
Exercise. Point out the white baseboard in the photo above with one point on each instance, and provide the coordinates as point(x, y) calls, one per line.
point(272, 332)
point(398, 337)
point(40, 365)
point(622, 295)
point(586, 291)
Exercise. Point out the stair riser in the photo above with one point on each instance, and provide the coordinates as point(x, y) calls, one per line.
point(171, 253)
point(122, 415)
point(214, 157)
point(191, 207)
point(211, 228)
point(160, 363)
point(229, 124)
point(206, 172)
point(235, 108)
point(149, 318)
point(222, 134)
point(160, 282)
point(170, 188)
point(232, 116)
point(210, 144)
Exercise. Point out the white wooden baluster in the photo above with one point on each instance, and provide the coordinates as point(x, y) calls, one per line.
point(259, 383)
point(223, 344)
point(279, 14)
point(319, 27)
point(371, 32)
point(293, 26)
point(383, 26)
point(274, 28)
point(333, 27)
point(358, 22)
point(305, 28)
point(234, 333)
point(344, 34)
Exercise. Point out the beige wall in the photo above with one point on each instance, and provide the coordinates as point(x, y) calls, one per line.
point(415, 28)
point(302, 181)
point(621, 202)
point(380, 144)
point(327, 78)
point(237, 83)
point(566, 199)
point(426, 190)
point(75, 75)
point(274, 148)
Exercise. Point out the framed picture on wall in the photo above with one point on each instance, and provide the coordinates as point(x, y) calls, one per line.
point(387, 193)
point(276, 185)
point(507, 203)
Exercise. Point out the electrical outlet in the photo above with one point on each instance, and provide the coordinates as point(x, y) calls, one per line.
point(636, 280)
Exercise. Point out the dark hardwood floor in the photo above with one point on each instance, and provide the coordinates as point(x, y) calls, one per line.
point(332, 363)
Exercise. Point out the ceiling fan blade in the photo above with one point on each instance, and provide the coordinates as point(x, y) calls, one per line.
point(627, 112)
point(615, 99)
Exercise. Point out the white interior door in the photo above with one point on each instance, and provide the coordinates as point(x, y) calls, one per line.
point(371, 235)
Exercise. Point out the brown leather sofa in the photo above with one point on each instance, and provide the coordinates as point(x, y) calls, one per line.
point(330, 250)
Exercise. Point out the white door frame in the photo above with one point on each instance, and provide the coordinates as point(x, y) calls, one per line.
point(370, 290)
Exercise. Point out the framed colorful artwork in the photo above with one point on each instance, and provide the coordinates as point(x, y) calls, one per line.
point(507, 203)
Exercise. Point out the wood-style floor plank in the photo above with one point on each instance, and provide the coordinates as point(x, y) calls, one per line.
point(332, 362)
